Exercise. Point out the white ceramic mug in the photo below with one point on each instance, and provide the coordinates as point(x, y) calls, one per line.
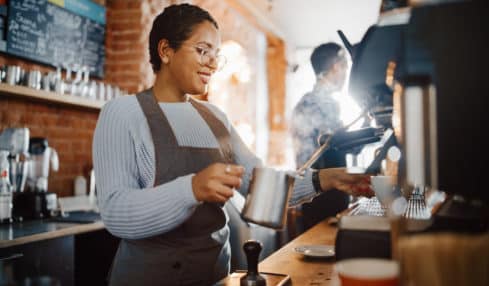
point(383, 187)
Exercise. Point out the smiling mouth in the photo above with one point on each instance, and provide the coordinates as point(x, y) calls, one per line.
point(204, 77)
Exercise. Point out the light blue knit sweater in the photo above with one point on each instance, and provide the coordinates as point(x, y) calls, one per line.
point(124, 163)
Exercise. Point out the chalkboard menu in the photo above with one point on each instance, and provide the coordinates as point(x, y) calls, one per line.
point(58, 33)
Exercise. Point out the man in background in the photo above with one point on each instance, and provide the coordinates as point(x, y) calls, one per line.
point(318, 113)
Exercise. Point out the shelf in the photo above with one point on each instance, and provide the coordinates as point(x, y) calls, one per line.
point(47, 96)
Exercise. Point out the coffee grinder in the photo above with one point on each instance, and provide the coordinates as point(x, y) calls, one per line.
point(36, 202)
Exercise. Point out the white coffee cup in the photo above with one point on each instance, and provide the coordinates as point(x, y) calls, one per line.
point(383, 187)
point(368, 272)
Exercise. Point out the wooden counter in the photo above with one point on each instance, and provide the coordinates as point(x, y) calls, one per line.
point(302, 271)
point(37, 230)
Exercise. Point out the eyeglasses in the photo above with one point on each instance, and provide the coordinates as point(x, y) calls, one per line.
point(207, 57)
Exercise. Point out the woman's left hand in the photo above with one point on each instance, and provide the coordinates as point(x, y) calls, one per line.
point(338, 178)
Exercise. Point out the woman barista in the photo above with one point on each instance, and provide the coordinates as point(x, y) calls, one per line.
point(165, 163)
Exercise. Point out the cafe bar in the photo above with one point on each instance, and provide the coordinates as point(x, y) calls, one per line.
point(244, 142)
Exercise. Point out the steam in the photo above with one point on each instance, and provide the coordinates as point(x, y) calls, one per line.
point(318, 113)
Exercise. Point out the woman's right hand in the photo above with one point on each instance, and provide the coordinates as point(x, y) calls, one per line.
point(215, 183)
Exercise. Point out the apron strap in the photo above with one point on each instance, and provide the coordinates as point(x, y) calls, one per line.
point(159, 127)
point(218, 129)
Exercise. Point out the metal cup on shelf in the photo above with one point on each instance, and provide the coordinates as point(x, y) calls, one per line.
point(69, 88)
point(3, 73)
point(14, 74)
point(78, 86)
point(57, 83)
point(100, 91)
point(84, 83)
point(33, 79)
point(92, 90)
point(47, 81)
point(109, 92)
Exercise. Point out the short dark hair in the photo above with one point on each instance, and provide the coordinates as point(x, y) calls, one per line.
point(324, 56)
point(175, 24)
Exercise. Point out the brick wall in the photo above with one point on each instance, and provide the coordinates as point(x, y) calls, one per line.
point(127, 57)
point(68, 130)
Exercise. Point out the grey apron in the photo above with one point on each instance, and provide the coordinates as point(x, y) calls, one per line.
point(188, 254)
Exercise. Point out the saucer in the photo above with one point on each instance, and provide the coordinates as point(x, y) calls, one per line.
point(316, 251)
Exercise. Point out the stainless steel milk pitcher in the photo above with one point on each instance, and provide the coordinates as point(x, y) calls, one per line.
point(267, 200)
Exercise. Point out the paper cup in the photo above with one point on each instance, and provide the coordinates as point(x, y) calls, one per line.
point(368, 272)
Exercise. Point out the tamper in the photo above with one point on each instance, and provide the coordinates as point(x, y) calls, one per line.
point(252, 249)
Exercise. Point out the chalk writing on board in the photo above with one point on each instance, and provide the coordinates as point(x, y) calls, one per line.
point(50, 34)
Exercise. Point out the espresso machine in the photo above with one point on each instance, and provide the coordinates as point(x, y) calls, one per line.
point(432, 60)
point(36, 202)
point(30, 161)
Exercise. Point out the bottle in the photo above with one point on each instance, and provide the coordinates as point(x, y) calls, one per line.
point(80, 186)
point(5, 189)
